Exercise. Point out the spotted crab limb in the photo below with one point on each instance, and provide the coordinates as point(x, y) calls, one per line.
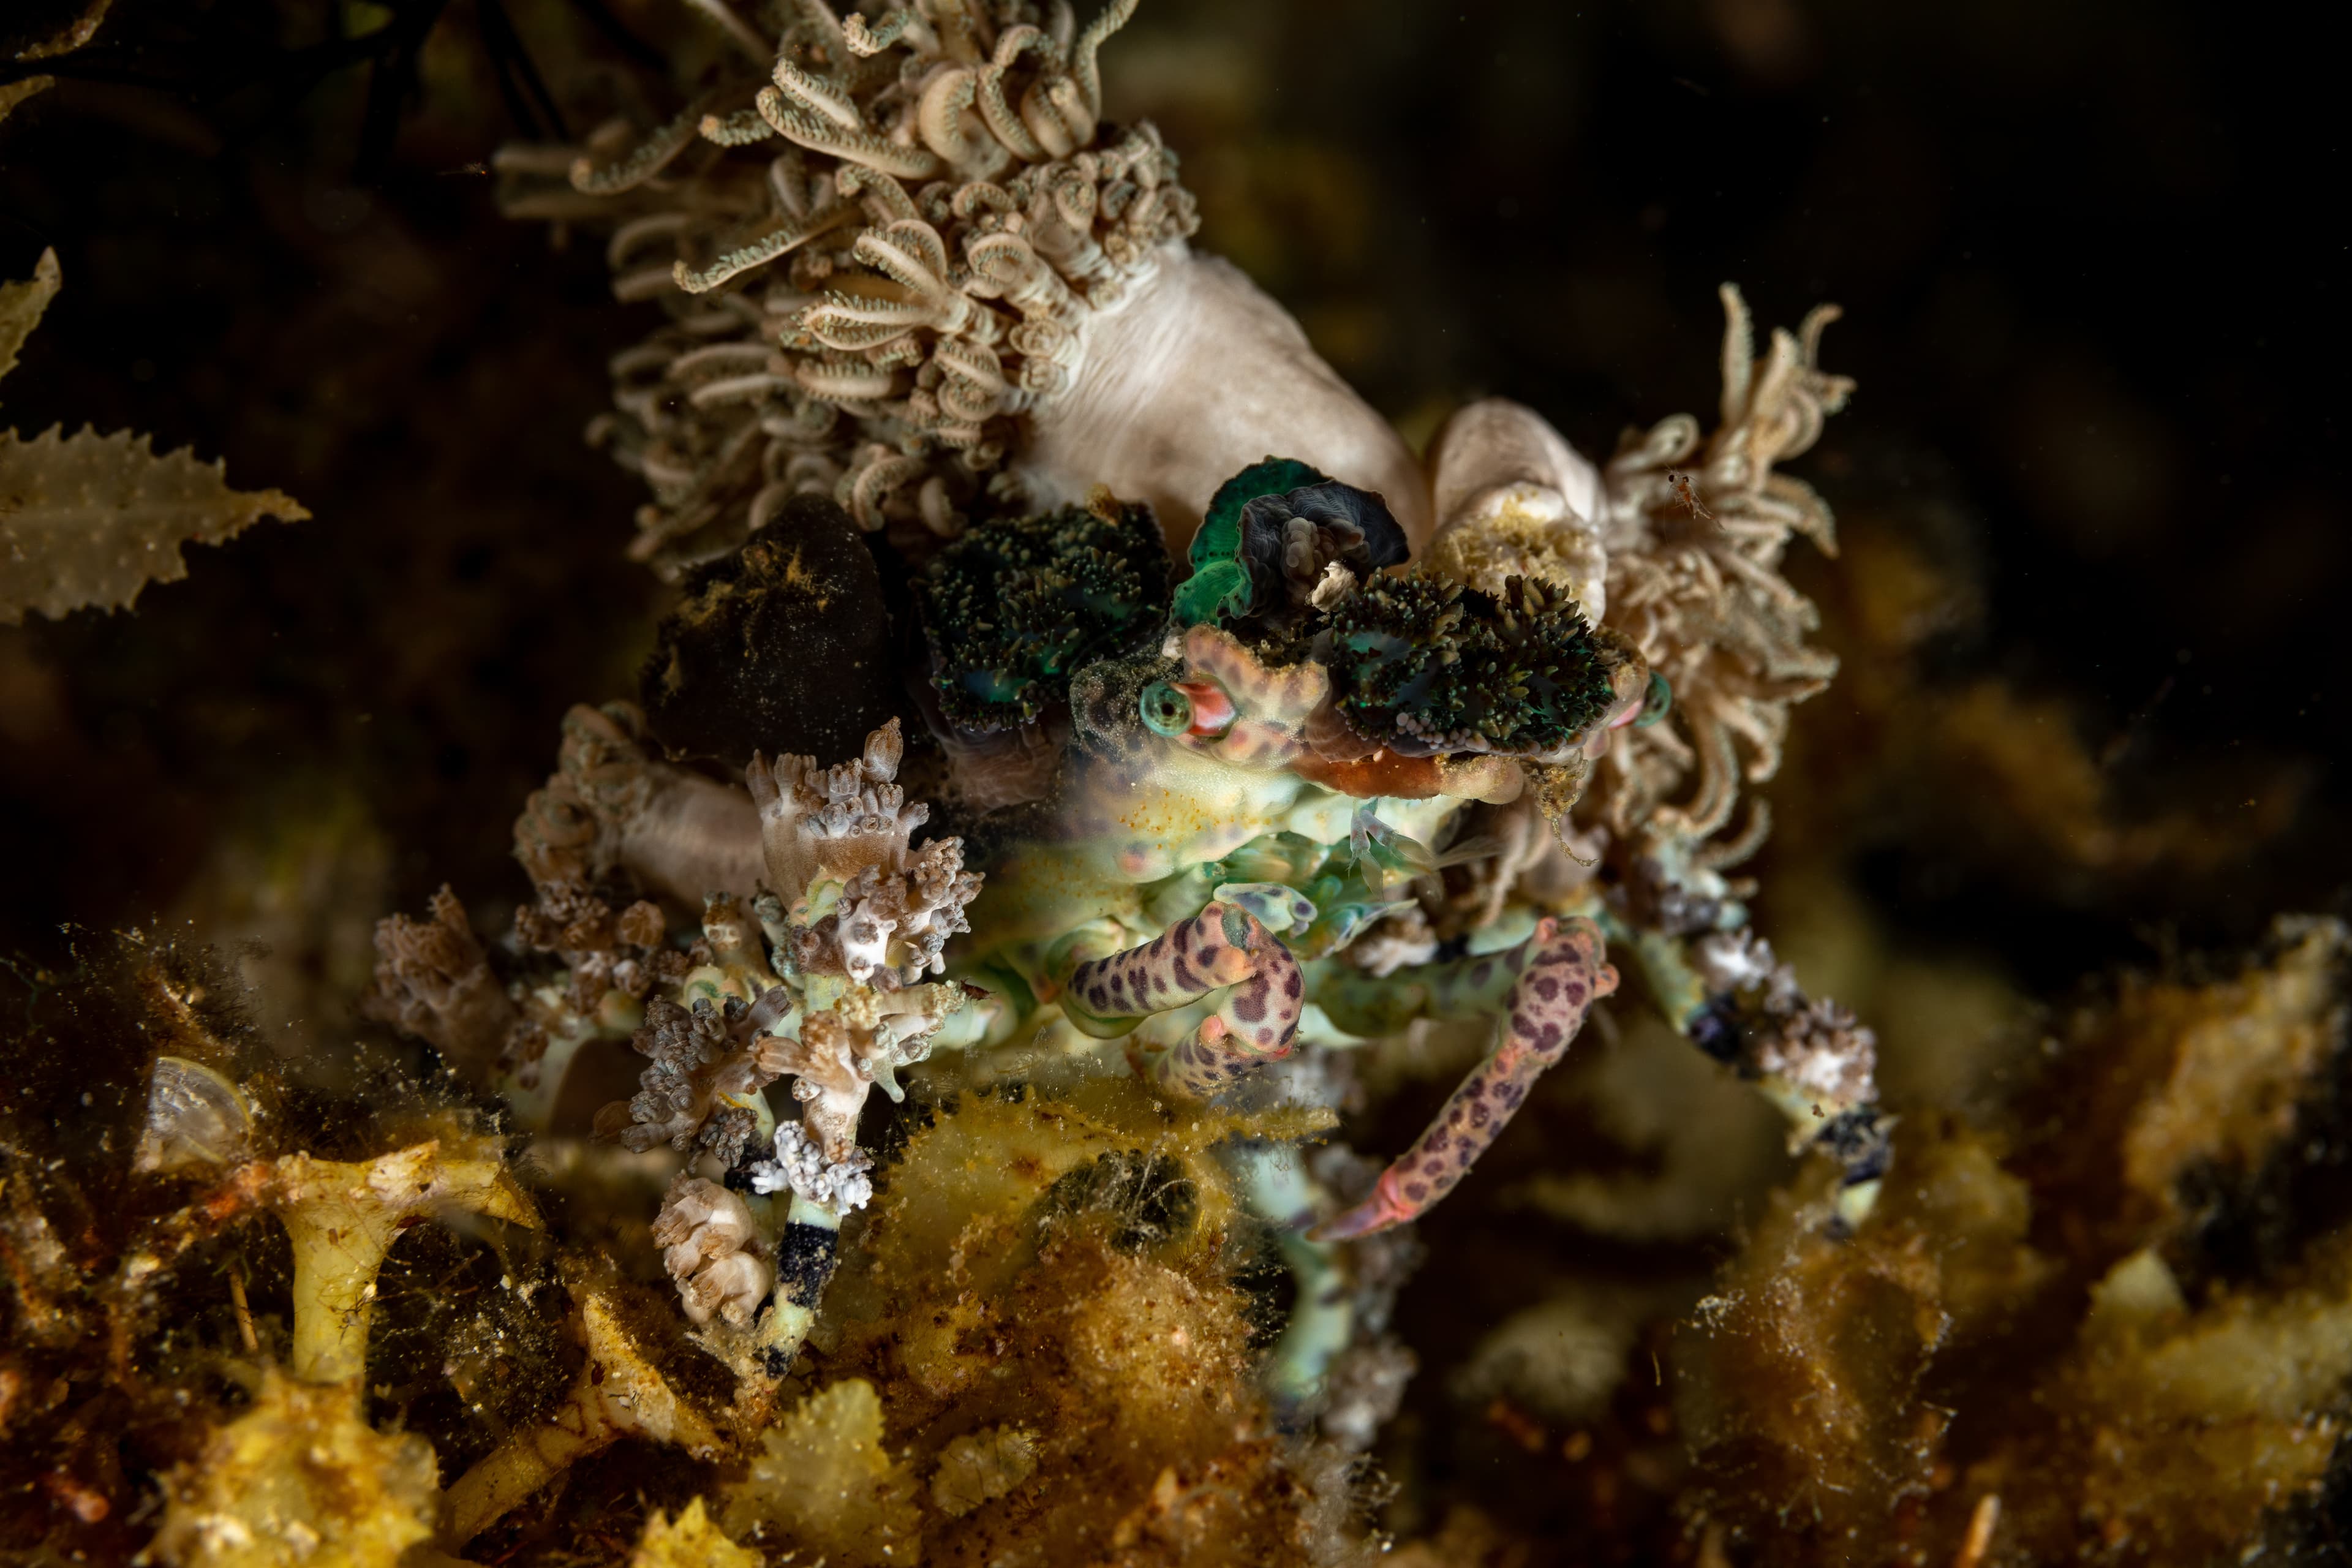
point(1223, 948)
point(1566, 971)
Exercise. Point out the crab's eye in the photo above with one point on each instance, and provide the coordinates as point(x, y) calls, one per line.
point(1166, 709)
point(1659, 698)
point(1196, 708)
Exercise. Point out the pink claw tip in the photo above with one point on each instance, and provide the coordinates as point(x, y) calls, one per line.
point(1384, 1209)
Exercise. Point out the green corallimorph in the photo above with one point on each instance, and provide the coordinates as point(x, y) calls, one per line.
point(1424, 665)
point(1220, 587)
point(1015, 606)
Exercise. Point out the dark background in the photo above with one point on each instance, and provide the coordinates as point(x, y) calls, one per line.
point(2092, 257)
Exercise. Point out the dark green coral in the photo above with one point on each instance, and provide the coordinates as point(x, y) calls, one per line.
point(1423, 665)
point(1016, 607)
point(1220, 586)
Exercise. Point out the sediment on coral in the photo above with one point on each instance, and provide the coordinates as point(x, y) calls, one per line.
point(2129, 1415)
point(1423, 666)
point(784, 645)
point(1014, 608)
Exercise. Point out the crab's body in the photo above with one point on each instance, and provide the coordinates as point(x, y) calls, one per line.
point(1213, 814)
point(1142, 819)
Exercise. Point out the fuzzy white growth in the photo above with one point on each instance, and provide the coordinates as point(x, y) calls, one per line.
point(840, 1185)
point(1737, 960)
point(710, 1246)
point(1815, 1056)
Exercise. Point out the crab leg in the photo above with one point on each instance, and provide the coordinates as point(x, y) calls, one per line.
point(1222, 949)
point(1563, 972)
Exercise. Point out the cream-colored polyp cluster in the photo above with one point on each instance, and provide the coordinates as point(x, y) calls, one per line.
point(878, 257)
point(1694, 536)
point(712, 1249)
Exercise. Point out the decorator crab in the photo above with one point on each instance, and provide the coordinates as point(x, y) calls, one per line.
point(942, 431)
point(1245, 799)
point(1315, 792)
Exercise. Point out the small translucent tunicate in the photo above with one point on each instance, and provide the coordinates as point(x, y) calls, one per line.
point(196, 1118)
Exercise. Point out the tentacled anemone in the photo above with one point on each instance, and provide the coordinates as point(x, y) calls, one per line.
point(1014, 607)
point(1696, 530)
point(1421, 665)
point(912, 267)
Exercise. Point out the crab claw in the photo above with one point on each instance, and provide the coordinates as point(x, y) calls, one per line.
point(1563, 973)
point(1225, 948)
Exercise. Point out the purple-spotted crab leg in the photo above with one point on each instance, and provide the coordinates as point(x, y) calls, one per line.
point(1565, 971)
point(1223, 948)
